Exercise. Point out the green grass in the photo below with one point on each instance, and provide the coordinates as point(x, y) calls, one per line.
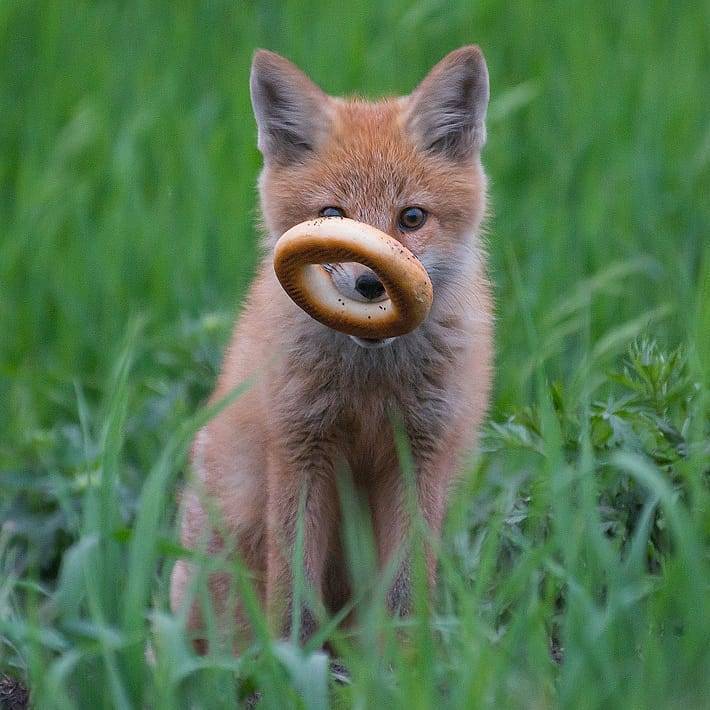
point(576, 563)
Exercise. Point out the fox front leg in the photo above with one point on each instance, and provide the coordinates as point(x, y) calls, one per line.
point(393, 506)
point(300, 483)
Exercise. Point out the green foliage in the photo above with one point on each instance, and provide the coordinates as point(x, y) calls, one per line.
point(647, 409)
point(575, 564)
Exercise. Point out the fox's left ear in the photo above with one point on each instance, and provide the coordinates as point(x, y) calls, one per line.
point(292, 113)
point(446, 112)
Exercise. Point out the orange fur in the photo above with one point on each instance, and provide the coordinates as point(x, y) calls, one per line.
point(318, 400)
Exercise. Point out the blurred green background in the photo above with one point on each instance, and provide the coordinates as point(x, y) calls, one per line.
point(128, 205)
point(128, 160)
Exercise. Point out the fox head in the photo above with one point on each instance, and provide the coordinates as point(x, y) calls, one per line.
point(408, 166)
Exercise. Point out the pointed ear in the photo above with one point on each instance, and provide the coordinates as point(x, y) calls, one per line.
point(446, 112)
point(292, 113)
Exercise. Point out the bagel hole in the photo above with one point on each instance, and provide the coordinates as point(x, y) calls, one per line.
point(357, 282)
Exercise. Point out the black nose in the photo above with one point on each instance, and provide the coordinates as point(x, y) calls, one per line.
point(369, 286)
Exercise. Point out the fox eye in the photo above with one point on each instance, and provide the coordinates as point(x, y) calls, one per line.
point(411, 218)
point(332, 212)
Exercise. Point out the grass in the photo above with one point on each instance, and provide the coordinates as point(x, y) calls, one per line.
point(575, 568)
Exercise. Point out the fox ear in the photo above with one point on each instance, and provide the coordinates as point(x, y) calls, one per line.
point(292, 113)
point(446, 112)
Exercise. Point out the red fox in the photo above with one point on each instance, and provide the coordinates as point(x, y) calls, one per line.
point(319, 399)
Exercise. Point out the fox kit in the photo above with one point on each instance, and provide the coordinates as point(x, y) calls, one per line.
point(320, 400)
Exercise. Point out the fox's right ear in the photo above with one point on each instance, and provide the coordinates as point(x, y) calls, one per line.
point(292, 113)
point(446, 113)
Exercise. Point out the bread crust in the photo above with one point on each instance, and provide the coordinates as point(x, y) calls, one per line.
point(301, 250)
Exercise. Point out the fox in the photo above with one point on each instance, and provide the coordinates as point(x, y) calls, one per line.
point(319, 401)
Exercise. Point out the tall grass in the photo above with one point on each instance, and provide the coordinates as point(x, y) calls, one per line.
point(574, 568)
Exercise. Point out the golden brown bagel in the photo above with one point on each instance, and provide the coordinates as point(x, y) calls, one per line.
point(302, 249)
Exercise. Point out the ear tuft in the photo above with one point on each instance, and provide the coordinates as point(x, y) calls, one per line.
point(446, 112)
point(292, 113)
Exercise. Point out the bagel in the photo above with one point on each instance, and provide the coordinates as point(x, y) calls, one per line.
point(301, 251)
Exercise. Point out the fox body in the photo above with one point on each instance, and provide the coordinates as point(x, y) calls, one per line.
point(320, 401)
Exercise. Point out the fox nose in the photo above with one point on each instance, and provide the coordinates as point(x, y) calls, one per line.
point(369, 286)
